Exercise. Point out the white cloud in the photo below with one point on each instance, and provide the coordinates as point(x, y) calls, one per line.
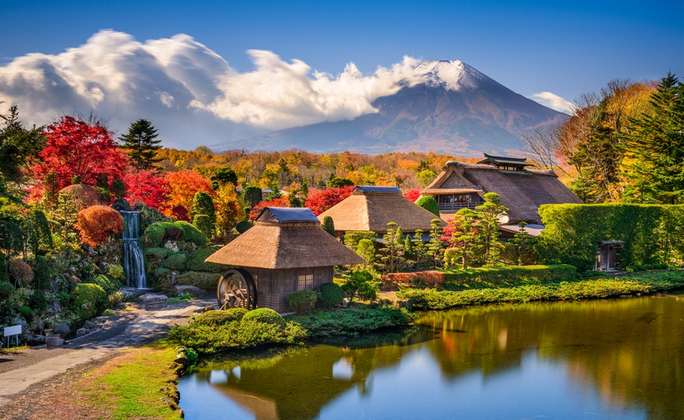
point(188, 91)
point(553, 101)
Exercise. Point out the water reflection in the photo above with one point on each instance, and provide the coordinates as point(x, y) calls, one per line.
point(618, 359)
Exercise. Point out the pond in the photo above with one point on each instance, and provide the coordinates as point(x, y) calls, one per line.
point(618, 359)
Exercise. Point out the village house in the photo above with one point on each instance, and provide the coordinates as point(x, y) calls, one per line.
point(285, 251)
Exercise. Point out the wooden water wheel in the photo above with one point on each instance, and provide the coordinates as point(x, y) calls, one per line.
point(236, 289)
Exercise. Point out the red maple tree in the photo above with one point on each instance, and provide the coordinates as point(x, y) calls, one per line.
point(76, 148)
point(412, 195)
point(277, 202)
point(148, 187)
point(321, 200)
point(97, 224)
point(183, 186)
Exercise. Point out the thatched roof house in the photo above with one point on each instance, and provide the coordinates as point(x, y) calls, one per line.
point(370, 208)
point(522, 190)
point(285, 251)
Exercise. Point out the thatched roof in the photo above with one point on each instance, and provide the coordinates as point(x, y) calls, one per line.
point(285, 238)
point(522, 191)
point(371, 208)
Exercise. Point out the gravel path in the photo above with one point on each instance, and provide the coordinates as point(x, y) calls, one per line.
point(22, 369)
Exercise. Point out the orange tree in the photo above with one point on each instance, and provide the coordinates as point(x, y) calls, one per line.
point(97, 224)
point(182, 189)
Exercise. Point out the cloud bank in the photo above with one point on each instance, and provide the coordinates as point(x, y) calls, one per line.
point(553, 101)
point(188, 91)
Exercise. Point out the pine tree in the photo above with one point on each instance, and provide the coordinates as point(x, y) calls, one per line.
point(490, 213)
point(393, 250)
point(328, 225)
point(465, 237)
point(435, 248)
point(141, 144)
point(656, 145)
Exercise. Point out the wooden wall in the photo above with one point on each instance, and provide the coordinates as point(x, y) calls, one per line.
point(274, 286)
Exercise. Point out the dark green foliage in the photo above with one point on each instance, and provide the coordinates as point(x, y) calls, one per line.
point(191, 234)
point(275, 191)
point(352, 238)
point(236, 335)
point(352, 321)
point(11, 236)
point(119, 188)
point(37, 230)
point(305, 189)
point(264, 315)
point(223, 176)
point(574, 231)
point(366, 250)
point(88, 300)
point(205, 281)
point(202, 203)
point(508, 276)
point(219, 317)
point(42, 271)
point(196, 261)
point(154, 234)
point(26, 312)
point(141, 144)
point(338, 182)
point(160, 274)
point(428, 203)
point(17, 146)
point(252, 195)
point(430, 299)
point(331, 294)
point(519, 250)
point(157, 254)
point(243, 226)
point(328, 225)
point(175, 261)
point(107, 284)
point(37, 301)
point(51, 185)
point(203, 223)
point(361, 283)
point(6, 290)
point(303, 301)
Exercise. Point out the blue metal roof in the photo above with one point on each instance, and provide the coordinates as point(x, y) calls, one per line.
point(287, 214)
point(377, 190)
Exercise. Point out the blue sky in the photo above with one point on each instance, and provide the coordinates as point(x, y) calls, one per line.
point(567, 48)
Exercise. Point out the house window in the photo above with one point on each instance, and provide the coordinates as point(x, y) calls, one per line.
point(305, 282)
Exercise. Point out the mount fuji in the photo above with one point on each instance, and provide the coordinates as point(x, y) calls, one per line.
point(442, 106)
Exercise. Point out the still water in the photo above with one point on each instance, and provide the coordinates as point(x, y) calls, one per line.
point(615, 359)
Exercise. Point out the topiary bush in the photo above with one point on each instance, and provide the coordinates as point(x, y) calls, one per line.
point(20, 273)
point(175, 261)
point(97, 224)
point(331, 294)
point(107, 284)
point(205, 281)
point(154, 234)
point(157, 254)
point(303, 301)
point(219, 317)
point(26, 312)
point(203, 223)
point(429, 204)
point(265, 315)
point(243, 226)
point(88, 299)
point(196, 261)
point(43, 273)
point(190, 233)
point(116, 272)
point(6, 290)
point(37, 301)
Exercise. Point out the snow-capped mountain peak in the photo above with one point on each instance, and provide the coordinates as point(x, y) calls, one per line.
point(449, 74)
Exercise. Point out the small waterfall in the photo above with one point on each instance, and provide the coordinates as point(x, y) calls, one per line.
point(133, 261)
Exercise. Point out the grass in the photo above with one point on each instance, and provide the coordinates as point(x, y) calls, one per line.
point(431, 299)
point(13, 349)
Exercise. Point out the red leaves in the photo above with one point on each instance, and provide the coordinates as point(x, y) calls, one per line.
point(150, 187)
point(75, 148)
point(412, 195)
point(278, 202)
point(322, 200)
point(97, 224)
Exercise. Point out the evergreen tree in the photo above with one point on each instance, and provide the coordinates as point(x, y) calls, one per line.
point(435, 248)
point(223, 176)
point(520, 248)
point(141, 144)
point(465, 237)
point(393, 250)
point(419, 249)
point(17, 146)
point(252, 195)
point(328, 225)
point(366, 250)
point(202, 203)
point(490, 213)
point(305, 188)
point(657, 147)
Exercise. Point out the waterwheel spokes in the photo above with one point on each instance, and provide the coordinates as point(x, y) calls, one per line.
point(236, 288)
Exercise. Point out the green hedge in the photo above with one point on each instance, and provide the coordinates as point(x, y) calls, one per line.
point(205, 281)
point(154, 234)
point(652, 234)
point(175, 261)
point(88, 299)
point(196, 261)
point(509, 275)
point(351, 321)
point(157, 254)
point(219, 317)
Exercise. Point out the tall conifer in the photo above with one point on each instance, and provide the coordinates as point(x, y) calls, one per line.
point(141, 144)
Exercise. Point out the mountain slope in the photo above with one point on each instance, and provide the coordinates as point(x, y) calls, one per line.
point(444, 107)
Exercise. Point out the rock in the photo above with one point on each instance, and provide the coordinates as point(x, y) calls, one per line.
point(172, 245)
point(81, 332)
point(89, 325)
point(151, 302)
point(53, 342)
point(121, 204)
point(193, 290)
point(131, 293)
point(34, 339)
point(61, 328)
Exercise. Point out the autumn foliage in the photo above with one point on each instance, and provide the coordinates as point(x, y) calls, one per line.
point(322, 200)
point(278, 202)
point(148, 187)
point(76, 148)
point(97, 224)
point(412, 195)
point(182, 189)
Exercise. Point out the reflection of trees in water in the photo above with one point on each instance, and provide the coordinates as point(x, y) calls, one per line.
point(631, 350)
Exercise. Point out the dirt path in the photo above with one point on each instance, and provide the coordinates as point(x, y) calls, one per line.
point(21, 369)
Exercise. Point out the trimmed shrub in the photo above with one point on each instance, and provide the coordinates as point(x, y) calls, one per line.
point(115, 298)
point(160, 275)
point(26, 312)
point(154, 234)
point(243, 226)
point(37, 301)
point(43, 273)
point(351, 321)
point(107, 284)
point(429, 203)
point(303, 301)
point(175, 261)
point(20, 273)
point(328, 225)
point(205, 281)
point(203, 223)
point(191, 234)
point(6, 290)
point(116, 272)
point(196, 261)
point(252, 195)
point(97, 224)
point(331, 294)
point(264, 315)
point(157, 254)
point(352, 238)
point(219, 317)
point(202, 203)
point(88, 299)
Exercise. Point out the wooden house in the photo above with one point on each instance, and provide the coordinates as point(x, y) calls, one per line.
point(370, 208)
point(522, 190)
point(285, 251)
